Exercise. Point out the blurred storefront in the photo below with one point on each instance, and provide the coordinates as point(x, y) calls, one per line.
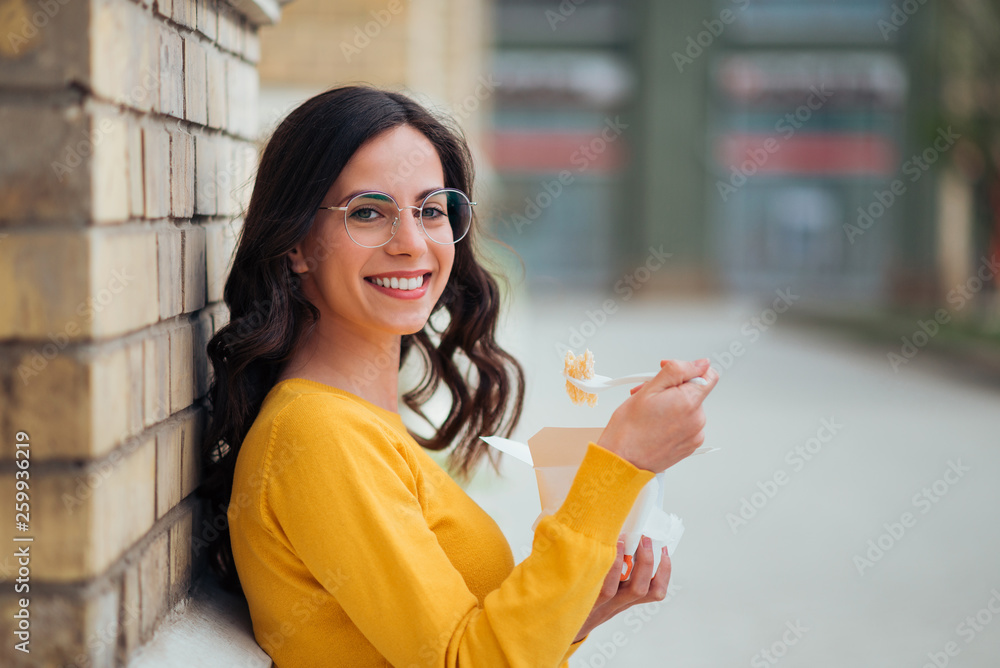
point(561, 136)
point(847, 149)
point(434, 50)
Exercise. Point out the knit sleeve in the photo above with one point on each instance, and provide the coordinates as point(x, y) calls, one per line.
point(344, 494)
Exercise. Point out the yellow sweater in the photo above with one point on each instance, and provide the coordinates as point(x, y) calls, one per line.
point(355, 548)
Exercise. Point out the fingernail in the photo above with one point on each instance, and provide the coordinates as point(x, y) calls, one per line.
point(646, 542)
point(703, 360)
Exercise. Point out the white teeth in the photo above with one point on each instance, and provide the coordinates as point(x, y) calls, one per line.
point(400, 283)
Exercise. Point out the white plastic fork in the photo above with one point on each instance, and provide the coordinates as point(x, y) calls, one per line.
point(598, 383)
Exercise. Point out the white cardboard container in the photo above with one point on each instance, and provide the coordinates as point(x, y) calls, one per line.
point(556, 454)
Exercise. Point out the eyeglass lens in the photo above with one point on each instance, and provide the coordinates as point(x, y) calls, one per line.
point(445, 217)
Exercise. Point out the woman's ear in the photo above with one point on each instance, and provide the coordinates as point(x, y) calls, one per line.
point(297, 260)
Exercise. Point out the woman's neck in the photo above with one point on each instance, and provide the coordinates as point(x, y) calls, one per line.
point(365, 363)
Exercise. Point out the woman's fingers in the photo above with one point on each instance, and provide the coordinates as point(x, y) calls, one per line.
point(642, 572)
point(658, 585)
point(610, 586)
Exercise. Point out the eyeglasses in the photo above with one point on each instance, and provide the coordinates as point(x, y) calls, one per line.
point(372, 218)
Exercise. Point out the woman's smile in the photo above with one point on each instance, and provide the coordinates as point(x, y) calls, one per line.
point(401, 284)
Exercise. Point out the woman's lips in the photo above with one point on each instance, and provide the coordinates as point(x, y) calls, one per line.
point(399, 293)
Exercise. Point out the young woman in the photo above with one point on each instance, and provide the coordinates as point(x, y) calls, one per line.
point(352, 546)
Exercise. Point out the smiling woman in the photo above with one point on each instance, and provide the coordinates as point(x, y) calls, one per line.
point(352, 545)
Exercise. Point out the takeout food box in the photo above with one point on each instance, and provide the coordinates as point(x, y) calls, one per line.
point(556, 454)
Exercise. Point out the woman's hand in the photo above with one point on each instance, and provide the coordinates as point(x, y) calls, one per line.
point(662, 422)
point(642, 585)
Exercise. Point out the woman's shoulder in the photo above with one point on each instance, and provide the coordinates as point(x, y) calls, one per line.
point(310, 414)
point(304, 430)
point(297, 404)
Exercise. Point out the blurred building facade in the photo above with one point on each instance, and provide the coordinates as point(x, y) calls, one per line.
point(562, 133)
point(434, 50)
point(845, 149)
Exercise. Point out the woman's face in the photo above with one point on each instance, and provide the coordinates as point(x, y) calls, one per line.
point(339, 275)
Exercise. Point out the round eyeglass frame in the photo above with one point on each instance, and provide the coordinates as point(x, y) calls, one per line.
point(399, 210)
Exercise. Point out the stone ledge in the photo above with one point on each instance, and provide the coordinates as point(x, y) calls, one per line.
point(258, 12)
point(211, 628)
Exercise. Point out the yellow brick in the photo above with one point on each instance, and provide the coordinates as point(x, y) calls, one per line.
point(110, 384)
point(195, 86)
point(168, 468)
point(76, 283)
point(180, 558)
point(156, 379)
point(243, 85)
point(217, 90)
point(45, 58)
point(97, 398)
point(126, 507)
point(194, 433)
point(239, 34)
point(39, 388)
point(156, 172)
point(77, 628)
point(194, 267)
point(144, 69)
point(207, 18)
point(123, 295)
point(235, 169)
point(226, 27)
point(251, 44)
point(43, 281)
point(87, 516)
point(154, 583)
point(184, 13)
point(137, 202)
point(181, 174)
point(111, 49)
point(220, 245)
point(135, 387)
point(169, 271)
point(202, 367)
point(181, 367)
point(171, 100)
point(128, 618)
point(43, 175)
point(226, 173)
point(244, 157)
point(110, 168)
point(205, 185)
point(164, 7)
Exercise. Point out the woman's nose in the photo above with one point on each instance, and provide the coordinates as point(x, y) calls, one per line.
point(409, 237)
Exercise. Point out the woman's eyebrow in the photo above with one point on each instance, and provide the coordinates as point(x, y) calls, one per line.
point(348, 197)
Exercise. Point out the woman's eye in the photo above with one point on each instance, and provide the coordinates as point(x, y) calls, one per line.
point(432, 213)
point(365, 215)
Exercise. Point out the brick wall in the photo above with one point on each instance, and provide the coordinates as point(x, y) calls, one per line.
point(126, 143)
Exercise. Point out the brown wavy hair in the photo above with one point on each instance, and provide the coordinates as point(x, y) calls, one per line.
point(268, 311)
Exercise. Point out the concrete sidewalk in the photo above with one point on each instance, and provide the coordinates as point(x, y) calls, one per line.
point(852, 517)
